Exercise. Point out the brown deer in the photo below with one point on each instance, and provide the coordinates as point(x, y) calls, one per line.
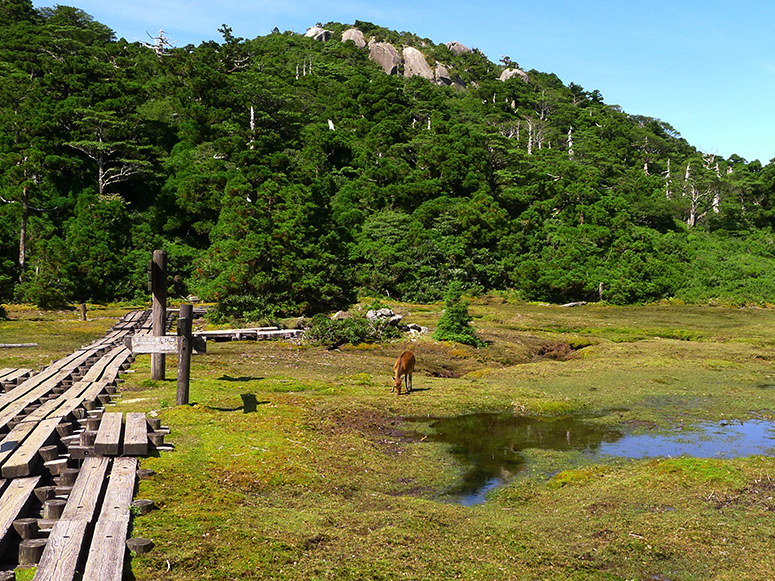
point(404, 367)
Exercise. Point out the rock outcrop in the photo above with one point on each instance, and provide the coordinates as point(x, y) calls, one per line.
point(386, 56)
point(355, 36)
point(442, 75)
point(416, 65)
point(319, 33)
point(508, 73)
point(457, 48)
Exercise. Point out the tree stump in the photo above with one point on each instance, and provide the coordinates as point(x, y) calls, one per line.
point(143, 505)
point(139, 546)
point(53, 508)
point(49, 453)
point(31, 550)
point(26, 527)
point(88, 437)
point(45, 492)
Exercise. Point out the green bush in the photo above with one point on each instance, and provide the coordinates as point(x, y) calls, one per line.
point(455, 323)
point(355, 330)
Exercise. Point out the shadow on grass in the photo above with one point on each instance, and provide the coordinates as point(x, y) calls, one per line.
point(249, 404)
point(246, 378)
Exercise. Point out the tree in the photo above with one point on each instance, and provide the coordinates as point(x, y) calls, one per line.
point(455, 323)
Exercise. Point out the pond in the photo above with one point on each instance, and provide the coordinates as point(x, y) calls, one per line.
point(492, 444)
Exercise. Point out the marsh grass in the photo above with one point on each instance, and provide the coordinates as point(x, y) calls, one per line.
point(294, 462)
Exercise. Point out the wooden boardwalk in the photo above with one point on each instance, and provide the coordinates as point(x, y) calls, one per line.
point(253, 334)
point(69, 468)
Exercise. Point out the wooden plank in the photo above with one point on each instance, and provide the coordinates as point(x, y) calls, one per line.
point(107, 365)
point(136, 435)
point(14, 439)
point(108, 442)
point(13, 505)
point(121, 489)
point(26, 457)
point(92, 393)
point(9, 374)
point(83, 499)
point(108, 547)
point(62, 552)
point(107, 551)
point(53, 407)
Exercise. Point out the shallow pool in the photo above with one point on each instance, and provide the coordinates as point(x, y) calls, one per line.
point(492, 444)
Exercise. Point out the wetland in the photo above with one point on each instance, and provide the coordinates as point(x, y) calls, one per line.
point(327, 475)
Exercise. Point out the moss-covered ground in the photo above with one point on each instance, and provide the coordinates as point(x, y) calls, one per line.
point(293, 461)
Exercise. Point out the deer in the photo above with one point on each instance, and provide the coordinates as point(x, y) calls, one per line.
point(404, 367)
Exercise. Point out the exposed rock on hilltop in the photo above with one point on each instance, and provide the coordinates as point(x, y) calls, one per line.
point(319, 33)
point(416, 65)
point(355, 36)
point(390, 58)
point(386, 56)
point(457, 48)
point(508, 73)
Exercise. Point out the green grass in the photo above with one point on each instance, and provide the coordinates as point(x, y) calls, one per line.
point(292, 461)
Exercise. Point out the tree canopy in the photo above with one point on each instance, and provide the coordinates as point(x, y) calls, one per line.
point(298, 173)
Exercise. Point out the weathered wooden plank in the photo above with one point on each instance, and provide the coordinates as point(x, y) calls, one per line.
point(26, 457)
point(121, 489)
point(108, 442)
point(136, 435)
point(107, 365)
point(107, 551)
point(14, 439)
point(13, 505)
point(63, 550)
point(90, 397)
point(83, 499)
point(10, 374)
point(108, 547)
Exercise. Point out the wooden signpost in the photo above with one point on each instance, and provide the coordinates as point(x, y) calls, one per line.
point(157, 283)
point(159, 344)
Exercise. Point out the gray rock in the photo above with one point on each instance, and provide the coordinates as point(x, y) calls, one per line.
point(386, 56)
point(341, 316)
point(395, 319)
point(380, 314)
point(319, 33)
point(416, 65)
point(508, 73)
point(457, 48)
point(442, 75)
point(355, 36)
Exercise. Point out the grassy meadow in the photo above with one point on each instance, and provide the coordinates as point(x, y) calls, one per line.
point(295, 462)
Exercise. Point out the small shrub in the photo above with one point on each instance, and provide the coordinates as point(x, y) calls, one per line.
point(455, 323)
point(354, 330)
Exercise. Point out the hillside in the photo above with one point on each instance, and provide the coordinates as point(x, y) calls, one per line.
point(287, 174)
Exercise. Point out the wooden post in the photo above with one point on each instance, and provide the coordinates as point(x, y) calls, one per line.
point(83, 311)
point(184, 352)
point(159, 289)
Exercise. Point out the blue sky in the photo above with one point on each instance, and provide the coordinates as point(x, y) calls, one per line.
point(705, 67)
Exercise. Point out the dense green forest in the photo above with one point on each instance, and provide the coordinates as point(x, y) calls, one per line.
point(283, 174)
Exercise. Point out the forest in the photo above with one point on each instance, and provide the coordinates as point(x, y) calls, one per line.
point(285, 175)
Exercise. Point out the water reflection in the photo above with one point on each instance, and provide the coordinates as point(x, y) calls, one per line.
point(491, 444)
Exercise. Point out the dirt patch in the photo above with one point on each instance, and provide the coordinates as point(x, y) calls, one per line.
point(554, 351)
point(758, 494)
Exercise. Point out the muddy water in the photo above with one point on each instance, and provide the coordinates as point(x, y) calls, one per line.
point(491, 444)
